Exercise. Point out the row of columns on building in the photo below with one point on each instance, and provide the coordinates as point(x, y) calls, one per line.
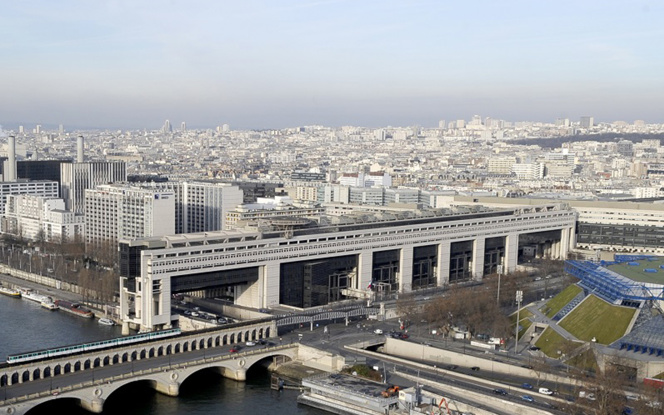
point(559, 249)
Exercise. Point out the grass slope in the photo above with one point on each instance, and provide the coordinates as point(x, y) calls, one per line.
point(597, 318)
point(554, 305)
point(524, 321)
point(550, 342)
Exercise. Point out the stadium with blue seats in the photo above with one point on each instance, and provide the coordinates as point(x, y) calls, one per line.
point(632, 281)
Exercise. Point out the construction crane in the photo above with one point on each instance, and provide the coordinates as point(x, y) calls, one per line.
point(440, 407)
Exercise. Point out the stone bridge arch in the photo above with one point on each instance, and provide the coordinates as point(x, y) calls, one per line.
point(188, 342)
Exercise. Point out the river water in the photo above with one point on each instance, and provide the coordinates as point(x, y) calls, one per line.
point(25, 326)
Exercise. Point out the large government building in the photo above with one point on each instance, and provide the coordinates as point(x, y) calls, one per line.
point(304, 263)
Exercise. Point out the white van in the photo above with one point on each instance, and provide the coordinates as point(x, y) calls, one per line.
point(545, 391)
point(378, 331)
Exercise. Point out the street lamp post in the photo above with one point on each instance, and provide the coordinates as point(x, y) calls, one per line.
point(519, 298)
point(500, 272)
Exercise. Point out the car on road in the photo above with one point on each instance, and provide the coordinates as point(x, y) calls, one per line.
point(403, 336)
point(528, 398)
point(534, 348)
point(526, 386)
point(475, 368)
point(250, 344)
point(452, 367)
point(500, 391)
point(545, 391)
point(234, 350)
point(378, 331)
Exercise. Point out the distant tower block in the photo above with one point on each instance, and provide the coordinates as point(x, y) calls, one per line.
point(183, 126)
point(11, 162)
point(225, 128)
point(79, 149)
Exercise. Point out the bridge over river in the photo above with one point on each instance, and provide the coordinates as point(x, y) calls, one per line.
point(91, 377)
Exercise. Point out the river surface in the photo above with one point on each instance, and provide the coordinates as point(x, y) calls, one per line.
point(25, 326)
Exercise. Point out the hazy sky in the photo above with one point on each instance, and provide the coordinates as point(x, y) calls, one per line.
point(279, 63)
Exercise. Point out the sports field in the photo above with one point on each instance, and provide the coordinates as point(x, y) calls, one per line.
point(637, 273)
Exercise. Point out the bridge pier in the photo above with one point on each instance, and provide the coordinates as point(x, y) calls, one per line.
point(95, 405)
point(239, 375)
point(168, 388)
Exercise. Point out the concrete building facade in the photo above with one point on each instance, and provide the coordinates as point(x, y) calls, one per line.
point(342, 259)
point(76, 178)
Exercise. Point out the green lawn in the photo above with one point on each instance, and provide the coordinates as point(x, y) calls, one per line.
point(525, 322)
point(554, 305)
point(550, 342)
point(597, 318)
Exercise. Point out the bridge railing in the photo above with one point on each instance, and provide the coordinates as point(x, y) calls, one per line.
point(135, 373)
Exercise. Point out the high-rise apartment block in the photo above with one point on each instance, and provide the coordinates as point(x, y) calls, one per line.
point(201, 206)
point(75, 178)
point(127, 211)
point(587, 122)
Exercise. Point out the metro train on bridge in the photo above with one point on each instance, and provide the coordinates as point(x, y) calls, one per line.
point(86, 347)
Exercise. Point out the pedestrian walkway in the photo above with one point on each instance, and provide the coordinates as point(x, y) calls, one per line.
point(539, 317)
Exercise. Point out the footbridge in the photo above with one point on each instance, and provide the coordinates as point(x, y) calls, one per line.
point(91, 377)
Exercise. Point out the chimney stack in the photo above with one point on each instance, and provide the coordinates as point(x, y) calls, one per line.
point(79, 149)
point(11, 168)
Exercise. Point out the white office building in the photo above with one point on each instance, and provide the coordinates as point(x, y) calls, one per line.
point(121, 211)
point(41, 218)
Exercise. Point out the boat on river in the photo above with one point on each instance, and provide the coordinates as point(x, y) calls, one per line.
point(10, 292)
point(49, 304)
point(32, 295)
point(106, 321)
point(74, 308)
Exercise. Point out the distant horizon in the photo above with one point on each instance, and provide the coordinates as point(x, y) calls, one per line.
point(29, 126)
point(261, 64)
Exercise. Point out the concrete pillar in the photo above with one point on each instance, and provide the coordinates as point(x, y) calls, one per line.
point(167, 388)
point(365, 271)
point(240, 375)
point(564, 243)
point(511, 253)
point(572, 237)
point(478, 258)
point(270, 275)
point(406, 269)
point(96, 405)
point(443, 263)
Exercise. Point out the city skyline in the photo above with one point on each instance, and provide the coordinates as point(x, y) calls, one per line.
point(273, 65)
